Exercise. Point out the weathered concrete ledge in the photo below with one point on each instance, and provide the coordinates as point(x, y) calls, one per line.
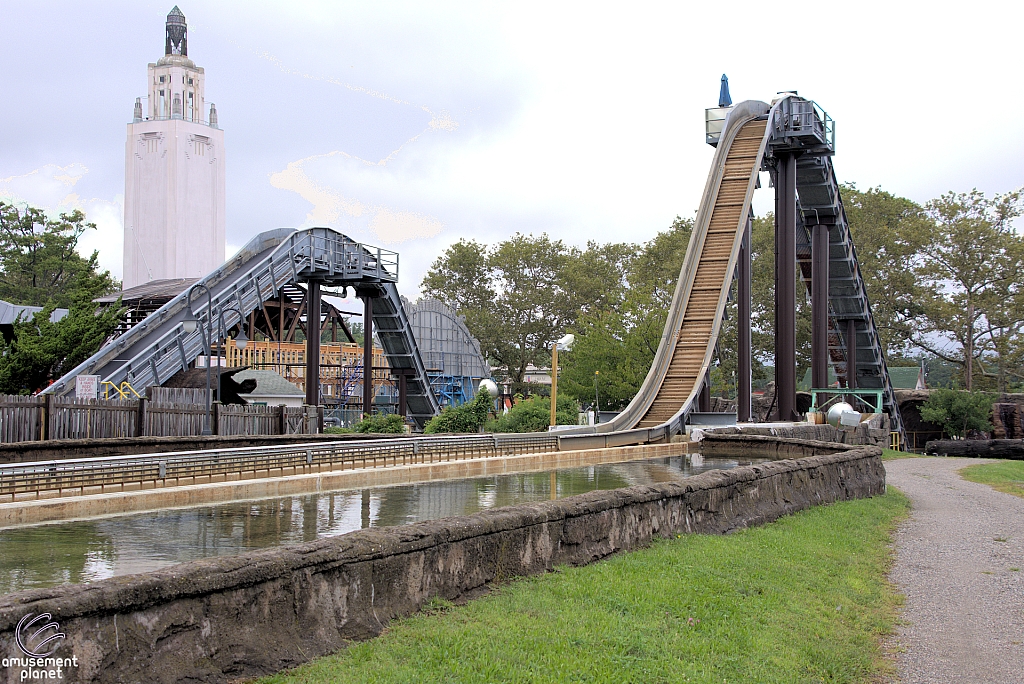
point(30, 512)
point(874, 432)
point(59, 449)
point(743, 446)
point(225, 619)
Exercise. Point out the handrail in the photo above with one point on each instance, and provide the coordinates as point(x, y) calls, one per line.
point(43, 479)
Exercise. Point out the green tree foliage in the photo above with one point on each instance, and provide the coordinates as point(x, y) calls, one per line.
point(468, 417)
point(39, 264)
point(41, 352)
point(40, 267)
point(958, 411)
point(534, 415)
point(522, 294)
point(616, 344)
point(973, 294)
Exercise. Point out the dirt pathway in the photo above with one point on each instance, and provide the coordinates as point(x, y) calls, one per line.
point(960, 563)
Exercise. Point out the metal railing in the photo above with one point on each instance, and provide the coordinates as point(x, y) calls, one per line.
point(40, 480)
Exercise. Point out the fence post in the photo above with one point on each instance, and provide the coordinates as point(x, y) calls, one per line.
point(47, 412)
point(215, 418)
point(320, 419)
point(140, 428)
point(282, 420)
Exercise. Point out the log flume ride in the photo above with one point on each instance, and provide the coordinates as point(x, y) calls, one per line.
point(754, 136)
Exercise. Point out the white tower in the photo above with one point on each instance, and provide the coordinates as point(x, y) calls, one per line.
point(174, 173)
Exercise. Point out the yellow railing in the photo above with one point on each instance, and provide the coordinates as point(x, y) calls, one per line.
point(123, 391)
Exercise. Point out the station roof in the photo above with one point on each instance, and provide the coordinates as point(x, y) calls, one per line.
point(165, 289)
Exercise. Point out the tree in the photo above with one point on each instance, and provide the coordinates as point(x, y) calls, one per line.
point(617, 343)
point(39, 264)
point(958, 412)
point(973, 296)
point(41, 351)
point(522, 294)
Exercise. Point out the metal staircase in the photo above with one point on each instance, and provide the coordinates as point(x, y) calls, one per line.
point(158, 347)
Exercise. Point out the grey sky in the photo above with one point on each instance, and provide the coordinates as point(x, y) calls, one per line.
point(410, 125)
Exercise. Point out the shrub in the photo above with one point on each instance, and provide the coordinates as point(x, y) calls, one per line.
point(383, 423)
point(958, 411)
point(468, 417)
point(534, 415)
point(335, 430)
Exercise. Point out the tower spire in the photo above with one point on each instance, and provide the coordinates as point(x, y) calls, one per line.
point(177, 34)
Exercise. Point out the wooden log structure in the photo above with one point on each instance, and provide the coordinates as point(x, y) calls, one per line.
point(1012, 449)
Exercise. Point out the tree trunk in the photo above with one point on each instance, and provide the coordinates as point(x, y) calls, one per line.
point(969, 351)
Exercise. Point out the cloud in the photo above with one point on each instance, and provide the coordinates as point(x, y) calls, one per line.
point(328, 204)
point(393, 227)
point(390, 225)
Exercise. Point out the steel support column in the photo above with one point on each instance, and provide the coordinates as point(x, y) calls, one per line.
point(785, 287)
point(704, 400)
point(403, 393)
point(367, 298)
point(743, 374)
point(851, 356)
point(819, 306)
point(313, 343)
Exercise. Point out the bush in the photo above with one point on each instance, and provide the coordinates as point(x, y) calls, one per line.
point(381, 423)
point(468, 417)
point(534, 415)
point(958, 411)
point(335, 430)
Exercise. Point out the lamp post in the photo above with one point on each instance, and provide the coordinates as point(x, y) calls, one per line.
point(240, 342)
point(564, 344)
point(189, 325)
point(597, 407)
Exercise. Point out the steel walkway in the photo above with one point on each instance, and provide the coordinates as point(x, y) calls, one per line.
point(158, 347)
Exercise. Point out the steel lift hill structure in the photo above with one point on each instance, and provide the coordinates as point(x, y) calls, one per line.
point(158, 347)
point(794, 140)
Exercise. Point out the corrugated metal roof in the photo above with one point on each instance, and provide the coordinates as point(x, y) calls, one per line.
point(164, 289)
point(9, 313)
point(268, 383)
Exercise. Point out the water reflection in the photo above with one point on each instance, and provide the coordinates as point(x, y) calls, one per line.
point(89, 550)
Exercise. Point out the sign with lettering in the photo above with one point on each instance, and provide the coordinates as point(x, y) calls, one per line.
point(87, 386)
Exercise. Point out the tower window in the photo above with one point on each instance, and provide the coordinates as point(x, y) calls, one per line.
point(190, 81)
point(161, 79)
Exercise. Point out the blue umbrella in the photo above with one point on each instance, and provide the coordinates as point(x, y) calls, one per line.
point(723, 97)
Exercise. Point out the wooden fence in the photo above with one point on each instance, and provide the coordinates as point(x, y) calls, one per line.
point(46, 417)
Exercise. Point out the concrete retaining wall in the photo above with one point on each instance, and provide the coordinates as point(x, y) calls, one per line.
point(225, 619)
point(745, 446)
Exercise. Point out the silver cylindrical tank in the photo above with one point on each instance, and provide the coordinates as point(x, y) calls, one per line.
point(835, 411)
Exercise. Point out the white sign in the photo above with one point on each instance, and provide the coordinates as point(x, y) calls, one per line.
point(87, 386)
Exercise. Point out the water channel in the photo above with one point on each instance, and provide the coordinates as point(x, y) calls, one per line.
point(89, 550)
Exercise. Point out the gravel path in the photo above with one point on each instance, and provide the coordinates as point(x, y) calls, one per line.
point(960, 563)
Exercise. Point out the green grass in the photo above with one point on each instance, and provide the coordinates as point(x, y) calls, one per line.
point(1005, 476)
point(892, 455)
point(803, 599)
